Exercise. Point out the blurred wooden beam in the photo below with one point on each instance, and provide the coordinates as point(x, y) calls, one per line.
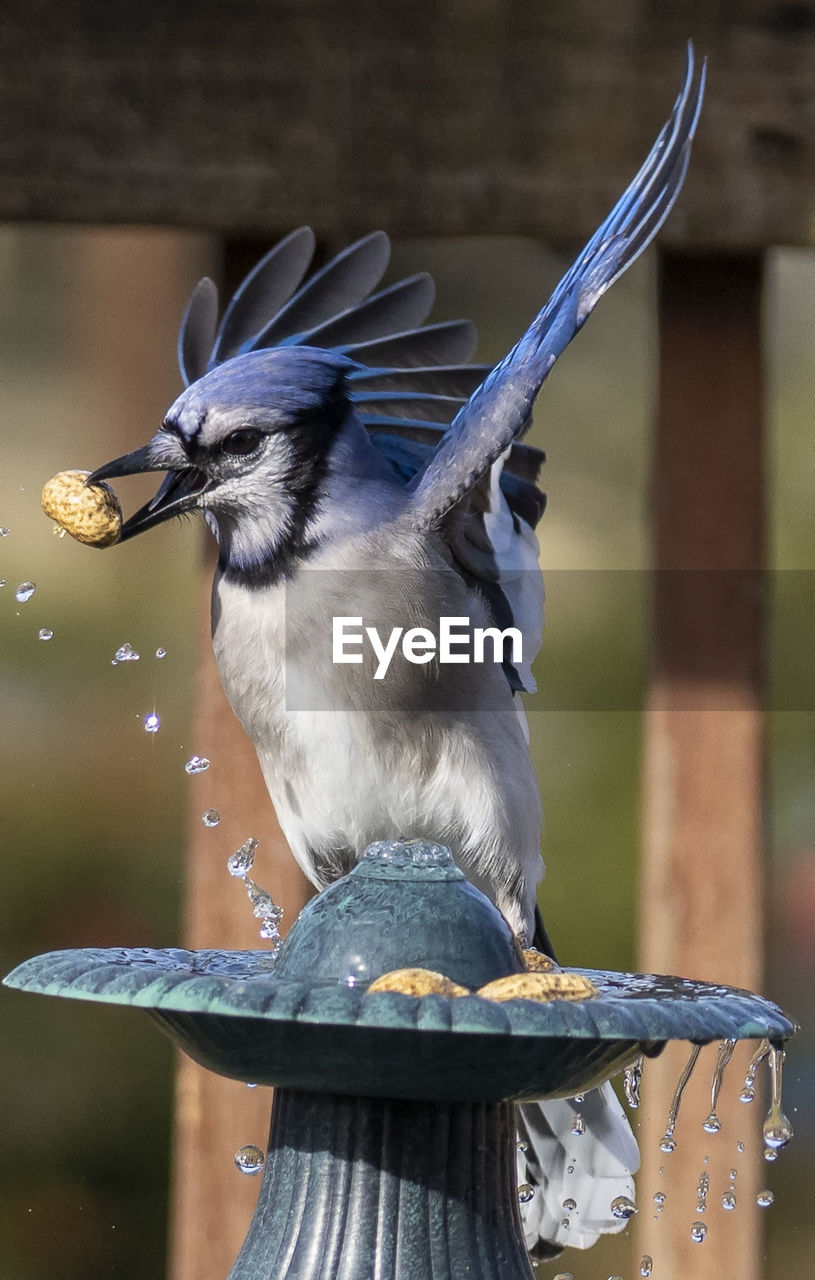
point(212, 1202)
point(468, 117)
point(703, 754)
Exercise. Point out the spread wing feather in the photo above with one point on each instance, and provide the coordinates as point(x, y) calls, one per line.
point(500, 409)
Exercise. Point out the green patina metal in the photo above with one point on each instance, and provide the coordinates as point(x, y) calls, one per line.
point(392, 1143)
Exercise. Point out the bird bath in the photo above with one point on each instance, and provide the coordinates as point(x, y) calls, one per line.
point(392, 1143)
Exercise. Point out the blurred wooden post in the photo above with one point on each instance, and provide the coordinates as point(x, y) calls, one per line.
point(702, 875)
point(212, 1201)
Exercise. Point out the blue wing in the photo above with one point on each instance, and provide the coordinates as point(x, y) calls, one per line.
point(410, 378)
point(499, 410)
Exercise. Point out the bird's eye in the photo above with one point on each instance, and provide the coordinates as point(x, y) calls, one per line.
point(244, 440)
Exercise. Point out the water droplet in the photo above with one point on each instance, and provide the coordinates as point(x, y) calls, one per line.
point(4, 533)
point(646, 1264)
point(659, 1198)
point(570, 1169)
point(698, 1232)
point(525, 1192)
point(712, 1124)
point(161, 653)
point(702, 1189)
point(125, 653)
point(249, 1159)
point(777, 1129)
point(58, 532)
point(239, 862)
point(569, 1204)
point(622, 1207)
point(251, 1084)
point(733, 1175)
point(196, 764)
point(728, 1200)
point(2, 582)
point(764, 1199)
point(632, 1080)
point(152, 724)
point(770, 1155)
point(262, 904)
point(45, 633)
point(740, 1148)
point(667, 1144)
point(523, 1147)
point(210, 817)
point(563, 1275)
point(579, 1097)
point(24, 592)
point(578, 1126)
point(747, 1094)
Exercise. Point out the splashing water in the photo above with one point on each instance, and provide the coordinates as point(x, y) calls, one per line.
point(623, 1208)
point(249, 1159)
point(748, 1093)
point(24, 592)
point(668, 1144)
point(210, 817)
point(196, 764)
point(265, 910)
point(698, 1232)
point(239, 862)
point(702, 1189)
point(152, 724)
point(713, 1124)
point(777, 1129)
point(632, 1081)
point(525, 1192)
point(125, 653)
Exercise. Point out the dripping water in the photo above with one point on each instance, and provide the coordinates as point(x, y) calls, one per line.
point(748, 1093)
point(713, 1124)
point(632, 1080)
point(668, 1144)
point(777, 1129)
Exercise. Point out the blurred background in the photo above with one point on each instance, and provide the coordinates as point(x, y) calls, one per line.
point(94, 809)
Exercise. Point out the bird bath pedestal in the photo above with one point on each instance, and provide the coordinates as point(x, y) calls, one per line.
point(392, 1146)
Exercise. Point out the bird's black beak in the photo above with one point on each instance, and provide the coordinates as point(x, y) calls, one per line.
point(178, 492)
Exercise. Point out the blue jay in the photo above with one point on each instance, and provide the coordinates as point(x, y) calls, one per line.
point(342, 450)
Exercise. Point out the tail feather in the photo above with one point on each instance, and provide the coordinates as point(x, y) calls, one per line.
point(591, 1168)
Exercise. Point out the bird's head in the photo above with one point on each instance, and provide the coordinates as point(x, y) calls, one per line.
point(247, 444)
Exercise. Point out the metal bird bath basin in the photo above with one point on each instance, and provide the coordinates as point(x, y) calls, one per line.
point(392, 1144)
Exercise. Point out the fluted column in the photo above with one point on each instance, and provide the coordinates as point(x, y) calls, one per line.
point(372, 1189)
